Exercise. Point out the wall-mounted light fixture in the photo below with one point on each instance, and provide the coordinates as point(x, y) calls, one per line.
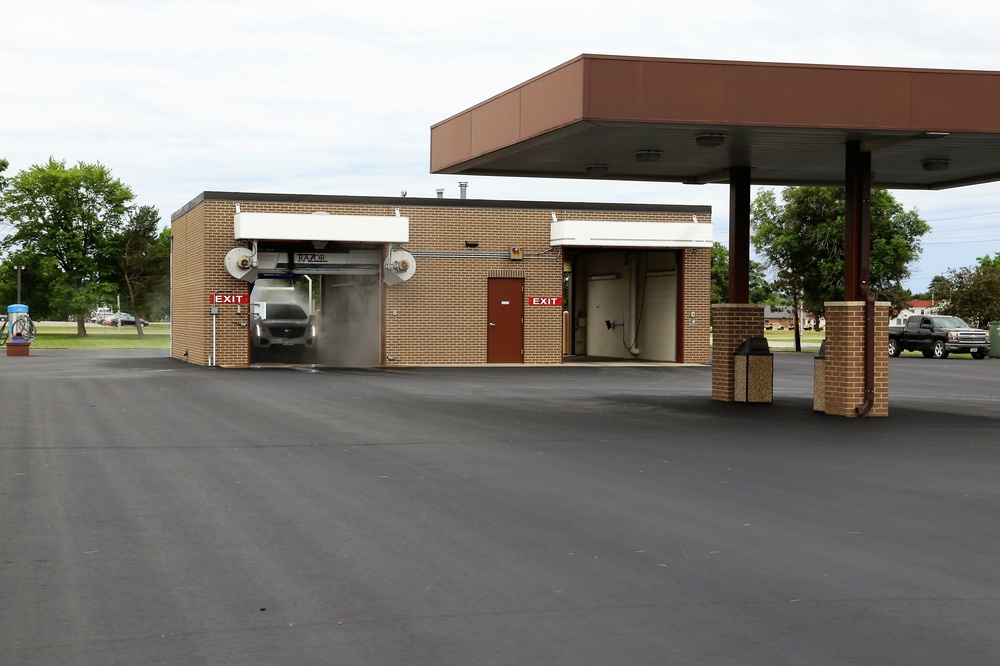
point(597, 169)
point(471, 243)
point(516, 254)
point(935, 164)
point(648, 155)
point(710, 139)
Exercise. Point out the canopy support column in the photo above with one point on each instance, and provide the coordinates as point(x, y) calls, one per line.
point(858, 312)
point(739, 235)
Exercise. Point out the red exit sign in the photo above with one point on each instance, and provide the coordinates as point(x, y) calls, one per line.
point(544, 300)
point(229, 299)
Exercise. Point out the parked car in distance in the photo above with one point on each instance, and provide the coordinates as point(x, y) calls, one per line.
point(99, 315)
point(124, 318)
point(937, 336)
point(284, 325)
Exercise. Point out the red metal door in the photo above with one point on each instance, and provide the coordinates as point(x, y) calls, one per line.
point(505, 311)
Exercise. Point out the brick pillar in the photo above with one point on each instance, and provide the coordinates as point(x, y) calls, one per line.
point(732, 323)
point(844, 368)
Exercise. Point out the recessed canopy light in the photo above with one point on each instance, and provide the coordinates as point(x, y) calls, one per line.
point(710, 139)
point(935, 164)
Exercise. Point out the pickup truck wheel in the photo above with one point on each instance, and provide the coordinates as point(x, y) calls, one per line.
point(938, 350)
point(894, 349)
point(927, 353)
point(979, 355)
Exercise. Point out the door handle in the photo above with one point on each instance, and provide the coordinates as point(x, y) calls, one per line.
point(492, 324)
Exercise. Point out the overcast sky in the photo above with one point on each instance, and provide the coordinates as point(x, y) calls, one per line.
point(332, 97)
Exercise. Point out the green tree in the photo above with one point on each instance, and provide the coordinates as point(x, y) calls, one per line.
point(761, 290)
point(3, 185)
point(142, 261)
point(803, 240)
point(973, 293)
point(67, 215)
point(989, 261)
point(720, 273)
point(938, 285)
point(38, 273)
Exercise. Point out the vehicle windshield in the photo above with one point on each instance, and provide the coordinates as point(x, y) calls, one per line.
point(285, 311)
point(949, 322)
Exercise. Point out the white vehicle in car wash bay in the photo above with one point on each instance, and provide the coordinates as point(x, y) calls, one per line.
point(285, 327)
point(323, 275)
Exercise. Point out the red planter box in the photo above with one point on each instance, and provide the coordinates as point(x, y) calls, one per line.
point(18, 348)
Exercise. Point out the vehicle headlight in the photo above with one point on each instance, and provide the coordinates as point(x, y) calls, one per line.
point(952, 335)
point(313, 330)
point(257, 327)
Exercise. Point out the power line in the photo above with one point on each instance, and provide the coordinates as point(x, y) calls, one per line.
point(963, 217)
point(962, 242)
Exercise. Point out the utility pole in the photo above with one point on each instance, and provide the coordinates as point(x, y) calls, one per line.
point(19, 267)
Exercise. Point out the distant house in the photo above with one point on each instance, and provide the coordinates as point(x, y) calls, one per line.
point(778, 316)
point(784, 317)
point(916, 307)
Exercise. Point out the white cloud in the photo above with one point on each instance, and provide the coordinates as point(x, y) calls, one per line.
point(338, 98)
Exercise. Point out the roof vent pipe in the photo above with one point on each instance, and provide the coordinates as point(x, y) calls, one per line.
point(462, 187)
point(440, 193)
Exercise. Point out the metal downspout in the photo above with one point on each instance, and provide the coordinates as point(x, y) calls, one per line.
point(869, 402)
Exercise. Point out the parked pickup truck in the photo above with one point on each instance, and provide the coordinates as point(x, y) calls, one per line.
point(937, 336)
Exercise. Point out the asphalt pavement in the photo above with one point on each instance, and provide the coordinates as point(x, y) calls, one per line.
point(156, 512)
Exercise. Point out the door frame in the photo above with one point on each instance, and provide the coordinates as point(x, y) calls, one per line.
point(501, 350)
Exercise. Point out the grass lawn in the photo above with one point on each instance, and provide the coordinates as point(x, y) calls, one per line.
point(808, 337)
point(62, 335)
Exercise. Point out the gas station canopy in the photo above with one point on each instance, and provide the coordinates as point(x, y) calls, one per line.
point(691, 121)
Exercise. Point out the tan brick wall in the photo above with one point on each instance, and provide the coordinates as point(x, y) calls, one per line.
point(439, 315)
point(695, 317)
point(844, 368)
point(187, 289)
point(201, 239)
point(734, 323)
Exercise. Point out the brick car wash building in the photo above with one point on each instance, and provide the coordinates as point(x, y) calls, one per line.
point(396, 280)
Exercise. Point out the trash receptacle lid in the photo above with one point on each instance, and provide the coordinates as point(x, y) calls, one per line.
point(16, 308)
point(753, 347)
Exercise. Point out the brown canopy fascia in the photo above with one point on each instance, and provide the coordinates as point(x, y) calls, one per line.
point(789, 123)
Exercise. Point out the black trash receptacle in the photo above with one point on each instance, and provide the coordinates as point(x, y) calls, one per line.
point(753, 372)
point(819, 379)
